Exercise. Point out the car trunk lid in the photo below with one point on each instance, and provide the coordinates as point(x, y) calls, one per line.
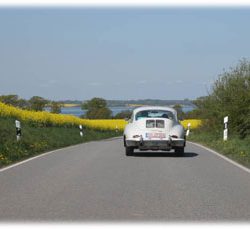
point(155, 128)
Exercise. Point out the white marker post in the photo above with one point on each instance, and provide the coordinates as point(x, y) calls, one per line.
point(81, 133)
point(116, 128)
point(18, 130)
point(225, 133)
point(188, 130)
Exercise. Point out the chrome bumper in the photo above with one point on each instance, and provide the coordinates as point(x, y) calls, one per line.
point(156, 144)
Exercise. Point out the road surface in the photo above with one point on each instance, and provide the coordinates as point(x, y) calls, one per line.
point(95, 181)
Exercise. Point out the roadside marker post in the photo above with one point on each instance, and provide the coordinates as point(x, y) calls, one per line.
point(188, 130)
point(18, 130)
point(81, 133)
point(225, 132)
point(116, 129)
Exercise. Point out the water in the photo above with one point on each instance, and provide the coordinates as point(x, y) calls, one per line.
point(77, 111)
point(186, 109)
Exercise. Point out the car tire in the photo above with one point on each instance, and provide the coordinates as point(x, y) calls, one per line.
point(129, 151)
point(179, 151)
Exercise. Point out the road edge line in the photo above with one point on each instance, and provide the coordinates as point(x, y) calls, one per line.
point(47, 153)
point(222, 156)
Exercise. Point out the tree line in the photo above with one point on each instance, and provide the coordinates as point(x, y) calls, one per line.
point(35, 103)
point(96, 107)
point(229, 96)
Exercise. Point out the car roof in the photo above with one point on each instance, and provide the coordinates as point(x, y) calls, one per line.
point(154, 108)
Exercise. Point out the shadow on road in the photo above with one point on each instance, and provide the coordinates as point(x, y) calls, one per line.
point(163, 154)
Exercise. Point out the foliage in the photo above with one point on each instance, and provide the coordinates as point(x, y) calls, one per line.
point(43, 118)
point(96, 109)
point(37, 103)
point(230, 96)
point(94, 103)
point(147, 102)
point(194, 114)
point(235, 148)
point(36, 139)
point(14, 100)
point(179, 110)
point(194, 123)
point(123, 114)
point(9, 99)
point(23, 103)
point(55, 107)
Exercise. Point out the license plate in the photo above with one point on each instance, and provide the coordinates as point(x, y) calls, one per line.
point(155, 135)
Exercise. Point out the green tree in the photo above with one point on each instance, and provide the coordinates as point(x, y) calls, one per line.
point(96, 109)
point(123, 114)
point(9, 99)
point(179, 110)
point(14, 100)
point(55, 107)
point(230, 96)
point(37, 103)
point(194, 114)
point(23, 103)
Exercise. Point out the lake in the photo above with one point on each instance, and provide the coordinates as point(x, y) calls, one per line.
point(77, 111)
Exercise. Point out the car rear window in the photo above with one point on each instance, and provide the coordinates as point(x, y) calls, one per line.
point(154, 114)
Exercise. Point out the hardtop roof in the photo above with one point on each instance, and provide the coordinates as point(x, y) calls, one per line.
point(154, 108)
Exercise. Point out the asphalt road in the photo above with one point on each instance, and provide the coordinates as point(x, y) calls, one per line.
point(95, 181)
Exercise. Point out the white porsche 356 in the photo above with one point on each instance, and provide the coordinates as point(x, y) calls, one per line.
point(154, 128)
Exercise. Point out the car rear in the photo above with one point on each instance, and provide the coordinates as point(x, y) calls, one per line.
point(152, 134)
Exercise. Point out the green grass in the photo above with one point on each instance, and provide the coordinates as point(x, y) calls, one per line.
point(36, 140)
point(234, 148)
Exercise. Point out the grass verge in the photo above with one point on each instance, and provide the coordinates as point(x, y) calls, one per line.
point(36, 140)
point(234, 148)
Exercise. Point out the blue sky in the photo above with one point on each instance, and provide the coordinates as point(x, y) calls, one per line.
point(119, 53)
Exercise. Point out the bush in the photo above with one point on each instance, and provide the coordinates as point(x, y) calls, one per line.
point(97, 109)
point(230, 96)
point(123, 114)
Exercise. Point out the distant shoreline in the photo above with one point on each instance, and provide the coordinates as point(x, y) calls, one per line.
point(71, 105)
point(133, 103)
point(77, 111)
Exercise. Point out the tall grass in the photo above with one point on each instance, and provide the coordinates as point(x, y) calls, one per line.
point(40, 139)
point(235, 148)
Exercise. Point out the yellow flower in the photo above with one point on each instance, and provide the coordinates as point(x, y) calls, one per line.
point(194, 123)
point(46, 118)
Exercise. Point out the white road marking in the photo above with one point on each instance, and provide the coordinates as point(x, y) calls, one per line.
point(47, 153)
point(32, 158)
point(50, 152)
point(223, 157)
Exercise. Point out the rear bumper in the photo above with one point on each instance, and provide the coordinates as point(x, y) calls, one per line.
point(156, 144)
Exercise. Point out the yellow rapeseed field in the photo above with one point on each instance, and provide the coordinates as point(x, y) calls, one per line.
point(193, 122)
point(47, 119)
